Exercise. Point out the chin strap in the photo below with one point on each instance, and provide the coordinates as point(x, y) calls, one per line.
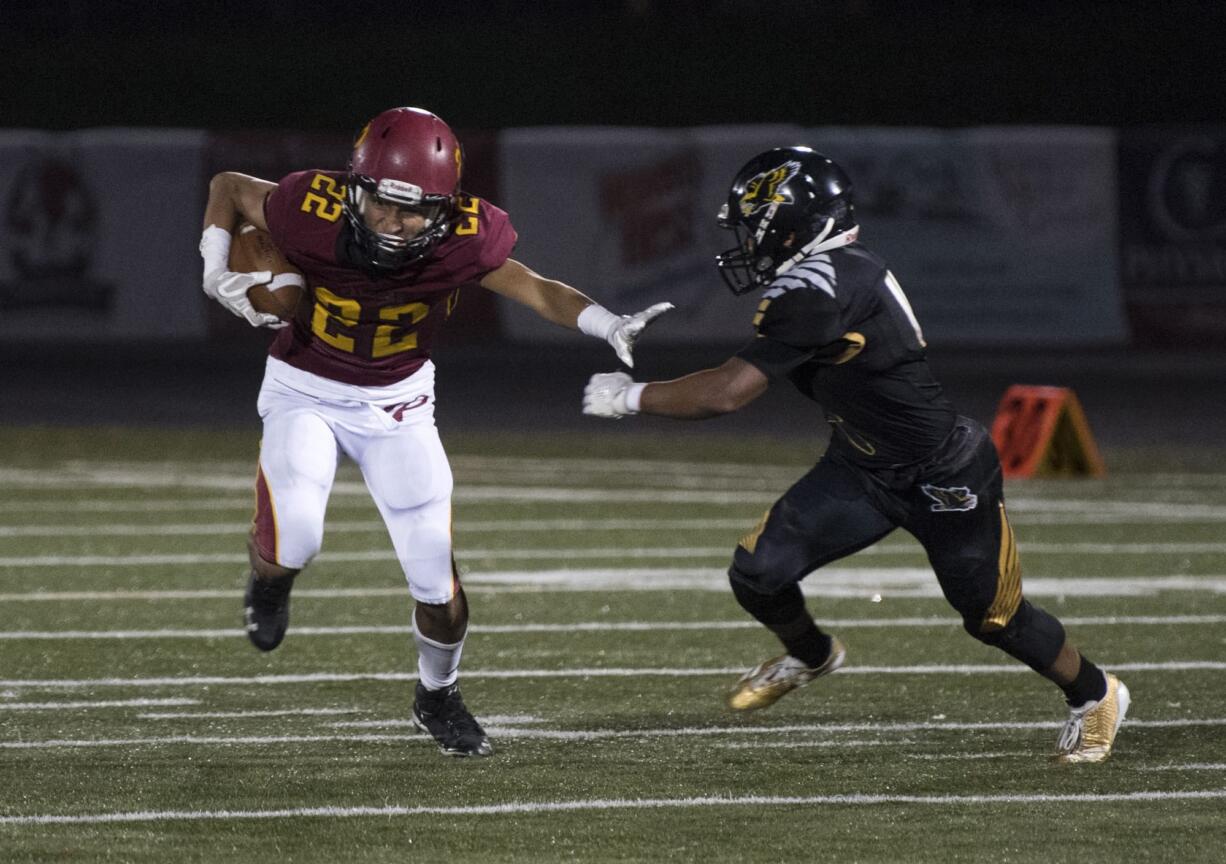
point(823, 242)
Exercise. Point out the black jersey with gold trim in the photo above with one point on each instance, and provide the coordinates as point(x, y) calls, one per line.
point(838, 326)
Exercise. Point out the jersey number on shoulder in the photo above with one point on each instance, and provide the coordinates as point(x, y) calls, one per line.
point(905, 305)
point(335, 320)
point(327, 201)
point(467, 222)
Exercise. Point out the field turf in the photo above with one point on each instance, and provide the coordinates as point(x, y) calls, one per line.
point(138, 724)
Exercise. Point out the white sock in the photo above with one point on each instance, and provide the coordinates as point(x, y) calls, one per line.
point(438, 664)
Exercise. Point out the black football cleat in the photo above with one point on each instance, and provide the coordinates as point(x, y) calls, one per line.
point(266, 610)
point(443, 715)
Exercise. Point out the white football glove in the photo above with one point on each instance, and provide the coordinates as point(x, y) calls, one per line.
point(230, 290)
point(620, 331)
point(605, 395)
point(627, 331)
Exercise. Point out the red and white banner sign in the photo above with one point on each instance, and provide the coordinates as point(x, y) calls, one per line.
point(100, 235)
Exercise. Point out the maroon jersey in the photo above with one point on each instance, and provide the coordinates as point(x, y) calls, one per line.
point(363, 327)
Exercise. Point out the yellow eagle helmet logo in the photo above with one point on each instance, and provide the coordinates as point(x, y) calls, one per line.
point(357, 142)
point(761, 190)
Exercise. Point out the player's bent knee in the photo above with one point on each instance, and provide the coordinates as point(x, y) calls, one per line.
point(765, 571)
point(1032, 636)
point(752, 582)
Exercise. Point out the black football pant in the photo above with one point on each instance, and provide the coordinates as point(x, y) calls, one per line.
point(953, 503)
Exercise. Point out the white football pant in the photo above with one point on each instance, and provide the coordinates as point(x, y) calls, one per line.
point(389, 432)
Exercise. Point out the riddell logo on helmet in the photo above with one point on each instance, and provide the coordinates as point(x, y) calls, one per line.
point(399, 191)
point(760, 190)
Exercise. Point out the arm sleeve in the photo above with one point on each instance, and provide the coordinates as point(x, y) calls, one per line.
point(500, 238)
point(277, 207)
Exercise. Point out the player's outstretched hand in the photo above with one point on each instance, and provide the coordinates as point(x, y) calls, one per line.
point(626, 333)
point(230, 290)
point(605, 395)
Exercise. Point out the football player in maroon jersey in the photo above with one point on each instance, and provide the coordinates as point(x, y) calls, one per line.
point(834, 322)
point(384, 248)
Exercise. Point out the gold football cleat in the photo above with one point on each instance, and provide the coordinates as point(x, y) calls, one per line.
point(1090, 730)
point(764, 685)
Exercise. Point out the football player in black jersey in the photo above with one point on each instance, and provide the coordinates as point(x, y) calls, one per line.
point(835, 323)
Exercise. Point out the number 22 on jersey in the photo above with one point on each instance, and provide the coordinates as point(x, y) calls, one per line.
point(338, 322)
point(327, 201)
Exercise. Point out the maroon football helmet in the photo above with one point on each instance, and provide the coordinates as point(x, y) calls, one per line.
point(408, 157)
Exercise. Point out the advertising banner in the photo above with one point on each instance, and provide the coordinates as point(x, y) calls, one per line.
point(100, 234)
point(998, 236)
point(1002, 236)
point(1173, 234)
point(628, 217)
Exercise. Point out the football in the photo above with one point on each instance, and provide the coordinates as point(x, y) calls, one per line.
point(253, 249)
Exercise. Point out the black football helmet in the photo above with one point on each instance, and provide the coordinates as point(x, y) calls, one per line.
point(408, 157)
point(783, 205)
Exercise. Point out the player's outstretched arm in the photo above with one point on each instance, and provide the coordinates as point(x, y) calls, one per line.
point(697, 396)
point(560, 303)
point(233, 198)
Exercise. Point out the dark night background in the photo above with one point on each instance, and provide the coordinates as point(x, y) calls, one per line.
point(316, 64)
point(483, 65)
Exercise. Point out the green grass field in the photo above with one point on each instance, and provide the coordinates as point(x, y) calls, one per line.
point(138, 724)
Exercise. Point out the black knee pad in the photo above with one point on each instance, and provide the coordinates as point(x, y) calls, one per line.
point(1032, 636)
point(769, 608)
point(765, 573)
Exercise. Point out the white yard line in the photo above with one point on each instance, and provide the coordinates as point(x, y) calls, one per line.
point(116, 703)
point(492, 721)
point(940, 757)
point(1033, 513)
point(1039, 510)
point(642, 493)
point(605, 804)
point(1190, 516)
point(123, 595)
point(143, 505)
point(517, 526)
point(220, 715)
point(875, 583)
point(568, 466)
point(565, 464)
point(578, 627)
point(515, 733)
point(1178, 548)
point(628, 552)
point(850, 744)
point(519, 479)
point(542, 554)
point(570, 672)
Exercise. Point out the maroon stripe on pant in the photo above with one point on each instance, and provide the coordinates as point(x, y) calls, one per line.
point(264, 525)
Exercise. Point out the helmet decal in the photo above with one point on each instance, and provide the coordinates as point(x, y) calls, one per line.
point(459, 160)
point(783, 205)
point(361, 136)
point(760, 190)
